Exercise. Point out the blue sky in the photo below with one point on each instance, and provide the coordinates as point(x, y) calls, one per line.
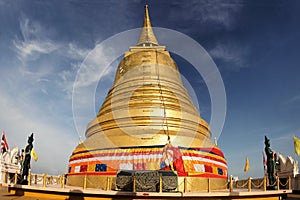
point(254, 44)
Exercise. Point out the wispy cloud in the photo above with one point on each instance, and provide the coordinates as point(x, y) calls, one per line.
point(49, 135)
point(77, 53)
point(284, 137)
point(35, 94)
point(292, 100)
point(23, 112)
point(36, 41)
point(222, 13)
point(68, 76)
point(32, 49)
point(234, 55)
point(219, 12)
point(31, 29)
point(46, 78)
point(36, 50)
point(95, 66)
point(33, 41)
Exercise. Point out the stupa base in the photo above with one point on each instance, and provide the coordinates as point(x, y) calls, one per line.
point(198, 169)
point(108, 182)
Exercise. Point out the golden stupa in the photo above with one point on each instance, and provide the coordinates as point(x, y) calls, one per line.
point(147, 122)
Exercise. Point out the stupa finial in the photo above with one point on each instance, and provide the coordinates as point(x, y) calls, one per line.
point(147, 37)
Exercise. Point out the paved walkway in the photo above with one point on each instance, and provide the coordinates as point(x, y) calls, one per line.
point(293, 197)
point(4, 195)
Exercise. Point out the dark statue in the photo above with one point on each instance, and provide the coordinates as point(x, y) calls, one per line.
point(26, 161)
point(271, 164)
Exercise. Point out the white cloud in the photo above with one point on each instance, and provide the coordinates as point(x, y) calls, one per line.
point(33, 96)
point(212, 11)
point(292, 100)
point(221, 13)
point(34, 41)
point(233, 54)
point(95, 66)
point(77, 53)
point(30, 29)
point(7, 106)
point(285, 137)
point(67, 77)
point(36, 94)
point(52, 141)
point(32, 49)
point(43, 76)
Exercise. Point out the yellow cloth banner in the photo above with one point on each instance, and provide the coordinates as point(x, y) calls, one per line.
point(297, 145)
point(34, 155)
point(247, 166)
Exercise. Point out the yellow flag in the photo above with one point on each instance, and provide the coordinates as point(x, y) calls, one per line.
point(247, 166)
point(34, 155)
point(297, 145)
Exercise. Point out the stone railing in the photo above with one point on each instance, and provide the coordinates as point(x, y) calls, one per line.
point(44, 180)
point(35, 179)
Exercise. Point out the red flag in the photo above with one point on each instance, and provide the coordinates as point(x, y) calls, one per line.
point(264, 160)
point(4, 145)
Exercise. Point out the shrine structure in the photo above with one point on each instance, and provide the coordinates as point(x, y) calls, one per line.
point(148, 123)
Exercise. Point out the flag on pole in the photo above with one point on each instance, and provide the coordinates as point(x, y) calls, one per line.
point(34, 155)
point(264, 160)
point(247, 165)
point(297, 145)
point(4, 145)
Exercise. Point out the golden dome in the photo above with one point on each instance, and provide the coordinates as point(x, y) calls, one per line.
point(147, 104)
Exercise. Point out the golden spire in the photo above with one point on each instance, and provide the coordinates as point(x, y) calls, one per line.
point(147, 37)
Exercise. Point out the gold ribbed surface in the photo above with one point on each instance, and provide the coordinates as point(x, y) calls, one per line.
point(146, 104)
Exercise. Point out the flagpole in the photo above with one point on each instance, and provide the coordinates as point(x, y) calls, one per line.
point(1, 147)
point(1, 161)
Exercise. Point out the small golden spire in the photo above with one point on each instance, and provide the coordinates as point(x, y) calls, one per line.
point(147, 36)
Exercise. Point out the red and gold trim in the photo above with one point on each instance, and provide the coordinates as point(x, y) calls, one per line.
point(200, 162)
